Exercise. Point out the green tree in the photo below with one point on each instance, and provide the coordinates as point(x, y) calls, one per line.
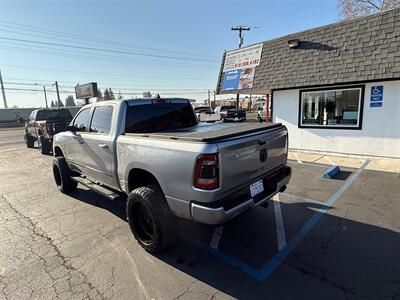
point(112, 97)
point(69, 101)
point(107, 95)
point(52, 104)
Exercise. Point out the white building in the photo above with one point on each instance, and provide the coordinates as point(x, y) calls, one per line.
point(336, 87)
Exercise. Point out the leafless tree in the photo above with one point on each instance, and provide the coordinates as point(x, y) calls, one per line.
point(350, 9)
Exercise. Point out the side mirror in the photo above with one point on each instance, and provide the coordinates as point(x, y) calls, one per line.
point(71, 128)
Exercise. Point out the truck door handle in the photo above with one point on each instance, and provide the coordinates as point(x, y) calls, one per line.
point(78, 139)
point(261, 142)
point(103, 146)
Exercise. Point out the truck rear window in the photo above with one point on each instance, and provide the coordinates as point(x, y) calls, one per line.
point(158, 117)
point(62, 114)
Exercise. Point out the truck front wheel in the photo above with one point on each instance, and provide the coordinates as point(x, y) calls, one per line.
point(150, 219)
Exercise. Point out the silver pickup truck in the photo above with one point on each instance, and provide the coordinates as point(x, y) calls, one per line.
point(170, 165)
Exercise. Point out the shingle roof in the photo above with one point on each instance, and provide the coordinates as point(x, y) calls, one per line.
point(363, 49)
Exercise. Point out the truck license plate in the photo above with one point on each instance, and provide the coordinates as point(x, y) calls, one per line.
point(256, 188)
point(236, 119)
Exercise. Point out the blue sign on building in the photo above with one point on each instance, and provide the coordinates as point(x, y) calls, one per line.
point(376, 96)
point(377, 93)
point(231, 80)
point(375, 104)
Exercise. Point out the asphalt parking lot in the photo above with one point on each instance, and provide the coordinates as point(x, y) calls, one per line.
point(320, 239)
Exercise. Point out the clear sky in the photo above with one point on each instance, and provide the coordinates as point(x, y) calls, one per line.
point(173, 47)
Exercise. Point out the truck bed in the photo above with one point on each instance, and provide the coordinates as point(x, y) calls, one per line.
point(208, 133)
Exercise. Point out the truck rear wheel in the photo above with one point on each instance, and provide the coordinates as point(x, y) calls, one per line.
point(44, 145)
point(62, 176)
point(150, 219)
point(29, 141)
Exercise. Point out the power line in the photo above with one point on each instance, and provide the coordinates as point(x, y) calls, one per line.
point(85, 38)
point(112, 86)
point(42, 82)
point(85, 72)
point(108, 50)
point(122, 93)
point(93, 56)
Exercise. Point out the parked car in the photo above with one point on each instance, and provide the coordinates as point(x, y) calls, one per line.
point(43, 124)
point(230, 113)
point(169, 164)
point(206, 114)
point(262, 114)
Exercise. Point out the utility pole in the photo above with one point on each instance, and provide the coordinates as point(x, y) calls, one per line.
point(3, 92)
point(45, 96)
point(240, 29)
point(58, 95)
point(209, 99)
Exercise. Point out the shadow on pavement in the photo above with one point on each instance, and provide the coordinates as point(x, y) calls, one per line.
point(339, 258)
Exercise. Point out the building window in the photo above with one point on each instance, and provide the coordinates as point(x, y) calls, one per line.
point(331, 108)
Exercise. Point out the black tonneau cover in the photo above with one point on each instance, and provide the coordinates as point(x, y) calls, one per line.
point(208, 133)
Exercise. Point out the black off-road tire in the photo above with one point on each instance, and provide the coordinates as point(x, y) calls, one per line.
point(30, 142)
point(164, 223)
point(44, 145)
point(62, 176)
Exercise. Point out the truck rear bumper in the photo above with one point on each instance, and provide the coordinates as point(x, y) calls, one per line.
point(233, 205)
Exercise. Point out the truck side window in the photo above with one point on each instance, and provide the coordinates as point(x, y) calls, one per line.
point(33, 114)
point(82, 120)
point(101, 120)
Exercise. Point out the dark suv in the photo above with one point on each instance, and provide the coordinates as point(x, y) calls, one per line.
point(230, 113)
point(43, 124)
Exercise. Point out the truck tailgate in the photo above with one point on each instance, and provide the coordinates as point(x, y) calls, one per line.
point(247, 157)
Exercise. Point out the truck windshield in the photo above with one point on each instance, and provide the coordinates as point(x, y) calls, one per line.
point(158, 117)
point(62, 114)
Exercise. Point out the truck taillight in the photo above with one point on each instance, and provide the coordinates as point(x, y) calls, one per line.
point(46, 127)
point(206, 174)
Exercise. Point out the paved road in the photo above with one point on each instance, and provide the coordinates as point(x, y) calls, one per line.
point(80, 246)
point(11, 138)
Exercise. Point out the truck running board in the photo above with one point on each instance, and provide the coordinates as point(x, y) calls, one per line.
point(96, 187)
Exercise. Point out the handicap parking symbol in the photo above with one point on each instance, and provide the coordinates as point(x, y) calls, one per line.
point(377, 93)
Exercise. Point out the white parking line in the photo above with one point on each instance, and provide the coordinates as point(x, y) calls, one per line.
point(214, 243)
point(10, 150)
point(280, 228)
point(305, 199)
point(329, 160)
point(297, 158)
